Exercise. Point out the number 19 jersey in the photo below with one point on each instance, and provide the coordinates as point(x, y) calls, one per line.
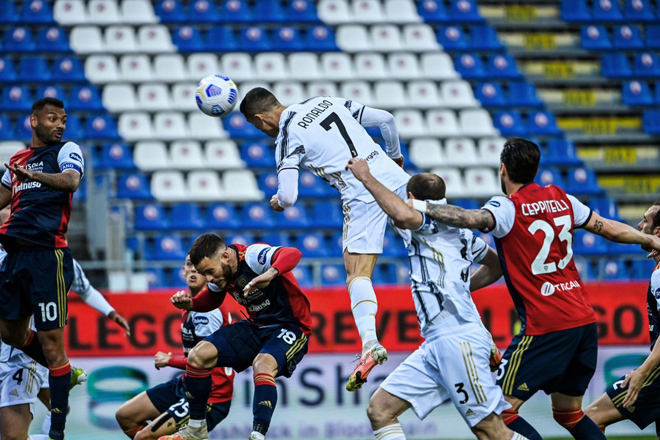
point(534, 237)
point(322, 134)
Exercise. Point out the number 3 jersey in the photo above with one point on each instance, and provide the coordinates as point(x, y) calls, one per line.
point(322, 134)
point(534, 237)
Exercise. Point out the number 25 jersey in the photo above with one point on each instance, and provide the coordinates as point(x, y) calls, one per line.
point(534, 237)
point(322, 134)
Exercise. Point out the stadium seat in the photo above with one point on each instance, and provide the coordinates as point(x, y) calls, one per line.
point(270, 66)
point(575, 11)
point(390, 94)
point(327, 214)
point(442, 123)
point(188, 39)
point(241, 185)
point(642, 269)
point(103, 12)
point(186, 216)
point(170, 126)
point(424, 94)
point(69, 12)
point(257, 155)
point(334, 11)
point(266, 11)
point(647, 65)
point(502, 66)
point(150, 217)
point(453, 181)
point(293, 217)
point(560, 152)
point(628, 38)
point(586, 243)
point(53, 92)
point(116, 156)
point(583, 181)
point(18, 40)
point(268, 183)
point(238, 66)
point(87, 39)
point(9, 14)
point(155, 39)
point(653, 37)
point(489, 150)
point(237, 127)
point(385, 274)
point(33, 69)
point(310, 185)
point(595, 37)
point(651, 122)
point(133, 186)
point(134, 126)
point(119, 97)
point(222, 216)
point(171, 11)
point(222, 154)
point(476, 122)
point(36, 12)
point(242, 238)
point(636, 93)
point(74, 128)
point(523, 94)
point(289, 92)
point(153, 97)
point(168, 247)
point(135, 68)
point(484, 38)
point(304, 66)
point(550, 176)
point(202, 128)
point(457, 94)
point(287, 39)
point(393, 246)
point(101, 127)
point(452, 38)
point(470, 66)
point(16, 98)
point(186, 155)
point(203, 11)
point(542, 123)
point(432, 11)
point(410, 123)
point(605, 207)
point(321, 88)
point(23, 129)
point(427, 153)
point(353, 38)
point(52, 40)
point(615, 65)
point(490, 94)
point(464, 11)
point(337, 66)
point(157, 277)
point(6, 129)
point(236, 11)
point(509, 123)
point(359, 91)
point(120, 39)
point(467, 204)
point(368, 11)
point(276, 239)
point(258, 216)
point(460, 152)
point(67, 69)
point(169, 186)
point(638, 10)
point(419, 38)
point(614, 270)
point(333, 275)
point(370, 66)
point(170, 68)
point(301, 11)
point(200, 65)
point(254, 39)
point(481, 182)
point(7, 71)
point(303, 275)
point(585, 269)
point(320, 39)
point(137, 12)
point(385, 37)
point(219, 39)
point(606, 10)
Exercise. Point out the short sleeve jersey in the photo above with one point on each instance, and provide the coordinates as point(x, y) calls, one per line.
point(322, 134)
point(652, 305)
point(39, 214)
point(534, 237)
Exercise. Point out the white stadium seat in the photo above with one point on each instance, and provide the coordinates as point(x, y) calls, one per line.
point(203, 127)
point(201, 65)
point(183, 96)
point(353, 38)
point(169, 186)
point(155, 39)
point(438, 66)
point(334, 11)
point(135, 68)
point(337, 66)
point(169, 126)
point(153, 97)
point(304, 66)
point(245, 87)
point(358, 91)
point(151, 156)
point(481, 182)
point(205, 186)
point(477, 122)
point(137, 12)
point(120, 39)
point(442, 123)
point(370, 66)
point(101, 69)
point(403, 66)
point(289, 92)
point(419, 38)
point(270, 66)
point(410, 123)
point(119, 97)
point(186, 155)
point(490, 149)
point(423, 94)
point(453, 181)
point(385, 37)
point(237, 66)
point(390, 94)
point(103, 12)
point(86, 39)
point(460, 152)
point(458, 94)
point(170, 68)
point(426, 153)
point(321, 88)
point(221, 155)
point(367, 11)
point(241, 185)
point(401, 11)
point(134, 126)
point(69, 12)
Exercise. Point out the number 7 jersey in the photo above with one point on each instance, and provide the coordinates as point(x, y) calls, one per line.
point(322, 134)
point(534, 237)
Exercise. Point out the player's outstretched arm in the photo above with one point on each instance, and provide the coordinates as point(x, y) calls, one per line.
point(287, 189)
point(283, 261)
point(489, 271)
point(66, 181)
point(371, 117)
point(459, 217)
point(404, 217)
point(621, 232)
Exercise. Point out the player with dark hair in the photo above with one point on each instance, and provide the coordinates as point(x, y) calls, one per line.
point(166, 405)
point(636, 396)
point(321, 134)
point(556, 349)
point(273, 340)
point(38, 271)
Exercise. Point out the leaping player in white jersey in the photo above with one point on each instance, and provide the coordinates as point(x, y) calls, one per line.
point(453, 362)
point(321, 134)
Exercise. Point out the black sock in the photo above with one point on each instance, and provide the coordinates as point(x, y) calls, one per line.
point(59, 379)
point(521, 426)
point(586, 429)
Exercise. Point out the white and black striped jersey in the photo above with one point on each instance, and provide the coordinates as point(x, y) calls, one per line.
point(440, 259)
point(322, 134)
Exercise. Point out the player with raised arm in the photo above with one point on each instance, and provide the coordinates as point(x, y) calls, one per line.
point(38, 271)
point(321, 134)
point(166, 405)
point(453, 362)
point(556, 349)
point(636, 396)
point(273, 340)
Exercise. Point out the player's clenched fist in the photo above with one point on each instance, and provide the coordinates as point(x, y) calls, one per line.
point(182, 300)
point(359, 168)
point(162, 359)
point(275, 204)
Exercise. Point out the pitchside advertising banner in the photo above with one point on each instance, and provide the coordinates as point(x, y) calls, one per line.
point(313, 404)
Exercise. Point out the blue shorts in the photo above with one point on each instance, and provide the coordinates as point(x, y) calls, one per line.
point(238, 344)
point(170, 398)
point(34, 281)
point(558, 362)
point(646, 409)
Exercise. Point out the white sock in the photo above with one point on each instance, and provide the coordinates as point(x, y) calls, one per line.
point(45, 426)
point(390, 432)
point(38, 437)
point(257, 436)
point(517, 436)
point(364, 306)
point(194, 423)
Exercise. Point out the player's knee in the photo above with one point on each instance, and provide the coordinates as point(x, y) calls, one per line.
point(378, 413)
point(125, 417)
point(567, 417)
point(201, 357)
point(264, 363)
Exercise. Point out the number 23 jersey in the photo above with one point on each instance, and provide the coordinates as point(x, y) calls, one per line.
point(322, 134)
point(534, 237)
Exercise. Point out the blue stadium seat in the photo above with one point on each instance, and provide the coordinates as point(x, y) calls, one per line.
point(52, 40)
point(585, 269)
point(385, 274)
point(176, 278)
point(490, 94)
point(432, 11)
point(301, 11)
point(452, 38)
point(188, 39)
point(36, 12)
point(320, 39)
point(171, 11)
point(509, 123)
point(606, 10)
point(470, 66)
point(642, 269)
point(303, 275)
point(7, 71)
point(586, 243)
point(168, 247)
point(333, 275)
point(150, 217)
point(34, 69)
point(293, 217)
point(523, 94)
point(647, 65)
point(276, 239)
point(575, 11)
point(236, 11)
point(222, 216)
point(638, 10)
point(335, 244)
point(542, 123)
point(157, 278)
point(268, 183)
point(464, 11)
point(312, 245)
point(502, 66)
point(583, 181)
point(85, 98)
point(81, 192)
point(484, 38)
point(133, 186)
point(203, 11)
point(614, 270)
point(221, 39)
point(628, 38)
point(268, 11)
point(254, 39)
point(116, 156)
point(653, 37)
point(6, 129)
point(393, 245)
point(237, 127)
point(287, 39)
point(310, 185)
point(615, 65)
point(466, 203)
point(258, 216)
point(16, 98)
point(561, 152)
point(620, 249)
point(68, 69)
point(595, 37)
point(327, 214)
point(257, 155)
point(23, 129)
point(242, 238)
point(18, 40)
point(74, 128)
point(605, 207)
point(550, 176)
point(8, 13)
point(187, 216)
point(52, 92)
point(651, 122)
point(101, 127)
point(636, 93)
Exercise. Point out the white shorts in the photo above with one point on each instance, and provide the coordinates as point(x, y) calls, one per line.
point(20, 385)
point(364, 225)
point(453, 366)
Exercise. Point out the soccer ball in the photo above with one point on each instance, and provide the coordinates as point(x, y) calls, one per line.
point(216, 95)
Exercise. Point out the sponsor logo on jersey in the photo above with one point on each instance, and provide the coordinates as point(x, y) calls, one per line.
point(201, 320)
point(470, 413)
point(314, 113)
point(372, 155)
point(543, 206)
point(261, 258)
point(25, 185)
point(37, 166)
point(523, 387)
point(75, 156)
point(495, 203)
point(548, 288)
point(657, 293)
point(258, 307)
